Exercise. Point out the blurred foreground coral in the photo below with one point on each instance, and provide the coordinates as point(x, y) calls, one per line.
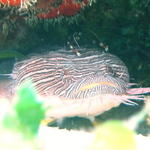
point(20, 128)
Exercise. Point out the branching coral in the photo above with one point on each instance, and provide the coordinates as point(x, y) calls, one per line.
point(13, 12)
point(20, 3)
point(60, 8)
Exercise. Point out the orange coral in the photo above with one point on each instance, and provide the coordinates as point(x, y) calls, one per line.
point(47, 9)
point(12, 2)
point(18, 3)
point(51, 14)
point(70, 8)
point(55, 8)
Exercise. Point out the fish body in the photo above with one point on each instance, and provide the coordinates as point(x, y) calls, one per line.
point(76, 85)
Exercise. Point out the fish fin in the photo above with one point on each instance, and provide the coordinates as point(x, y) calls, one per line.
point(135, 91)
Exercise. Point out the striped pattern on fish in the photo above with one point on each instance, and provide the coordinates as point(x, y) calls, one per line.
point(96, 85)
point(78, 85)
point(62, 74)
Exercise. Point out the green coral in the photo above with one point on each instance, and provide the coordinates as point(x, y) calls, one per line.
point(28, 112)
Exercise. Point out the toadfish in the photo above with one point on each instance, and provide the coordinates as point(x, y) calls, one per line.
point(83, 85)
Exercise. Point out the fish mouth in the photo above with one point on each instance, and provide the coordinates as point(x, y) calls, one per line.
point(94, 85)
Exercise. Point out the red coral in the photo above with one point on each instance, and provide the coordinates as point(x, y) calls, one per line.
point(65, 8)
point(51, 14)
point(86, 2)
point(11, 2)
point(69, 9)
point(45, 4)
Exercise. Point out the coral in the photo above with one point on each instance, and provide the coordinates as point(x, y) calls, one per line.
point(10, 23)
point(19, 3)
point(52, 14)
point(57, 8)
point(70, 9)
point(14, 12)
point(11, 2)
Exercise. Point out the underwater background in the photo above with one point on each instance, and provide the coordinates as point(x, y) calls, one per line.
point(120, 27)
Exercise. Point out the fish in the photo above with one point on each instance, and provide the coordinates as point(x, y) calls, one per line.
point(78, 85)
